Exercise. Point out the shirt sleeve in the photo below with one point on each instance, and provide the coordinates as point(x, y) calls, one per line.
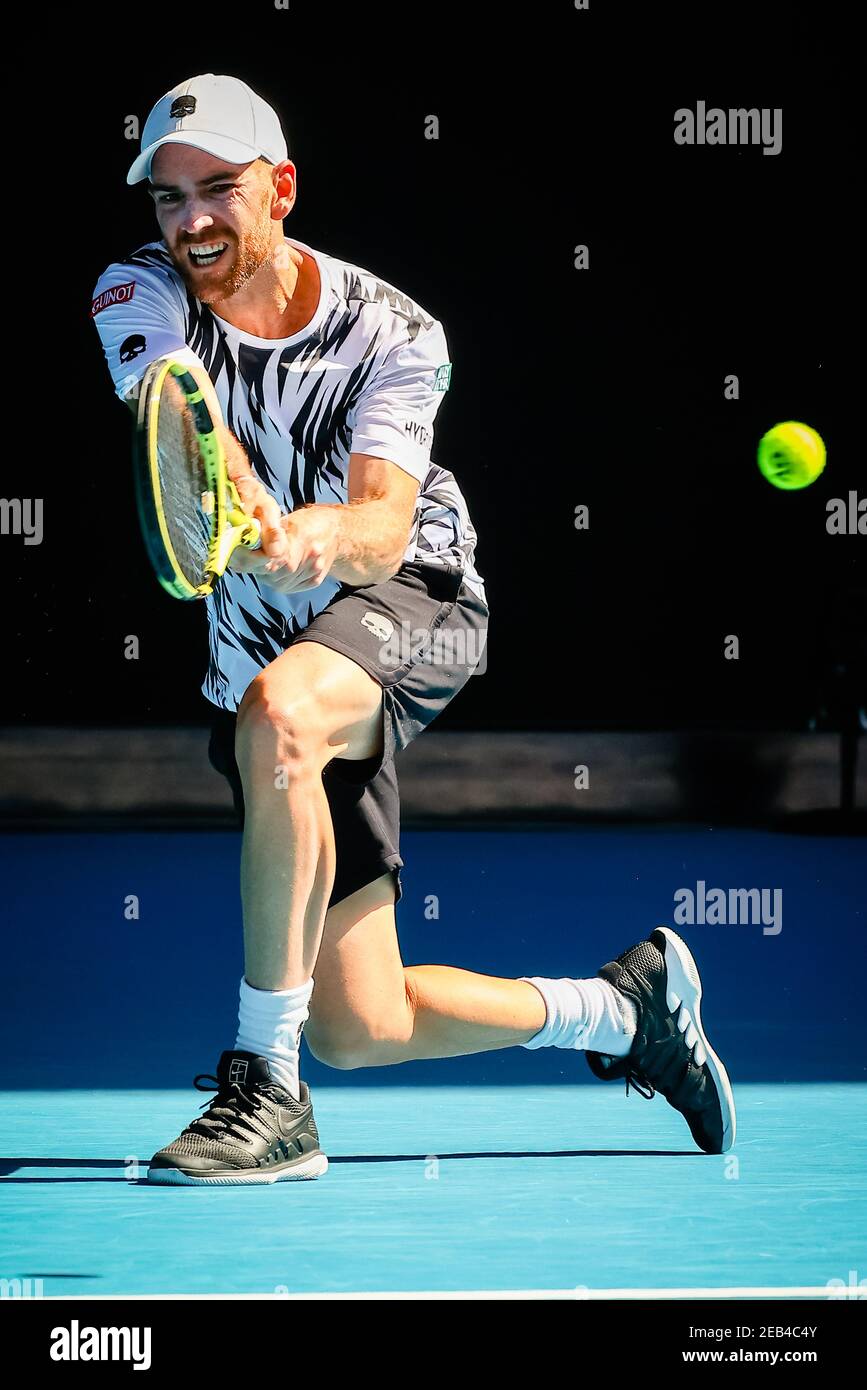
point(139, 317)
point(394, 415)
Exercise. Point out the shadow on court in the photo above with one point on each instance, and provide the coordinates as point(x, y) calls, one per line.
point(9, 1167)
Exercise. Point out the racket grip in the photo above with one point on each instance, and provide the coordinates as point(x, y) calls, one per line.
point(253, 537)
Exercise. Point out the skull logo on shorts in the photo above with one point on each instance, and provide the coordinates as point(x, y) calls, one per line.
point(380, 627)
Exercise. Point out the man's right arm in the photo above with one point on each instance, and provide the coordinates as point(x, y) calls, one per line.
point(255, 498)
point(140, 316)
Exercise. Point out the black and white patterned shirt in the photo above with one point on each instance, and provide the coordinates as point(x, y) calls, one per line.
point(366, 375)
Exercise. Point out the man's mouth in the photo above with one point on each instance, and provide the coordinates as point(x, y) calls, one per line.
point(204, 256)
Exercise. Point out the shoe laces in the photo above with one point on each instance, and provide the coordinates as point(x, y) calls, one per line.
point(635, 1080)
point(671, 1063)
point(228, 1111)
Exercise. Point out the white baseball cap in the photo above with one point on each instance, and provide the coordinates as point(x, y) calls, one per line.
point(220, 115)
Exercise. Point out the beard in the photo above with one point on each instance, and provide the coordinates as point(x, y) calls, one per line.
point(243, 258)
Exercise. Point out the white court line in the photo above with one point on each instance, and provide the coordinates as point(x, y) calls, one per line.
point(579, 1295)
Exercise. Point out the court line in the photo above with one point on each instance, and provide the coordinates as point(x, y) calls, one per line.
point(579, 1295)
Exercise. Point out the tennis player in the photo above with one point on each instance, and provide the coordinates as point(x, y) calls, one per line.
point(332, 648)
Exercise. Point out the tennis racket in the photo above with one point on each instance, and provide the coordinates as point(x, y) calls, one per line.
point(189, 508)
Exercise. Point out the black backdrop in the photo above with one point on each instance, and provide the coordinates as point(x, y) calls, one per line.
point(602, 387)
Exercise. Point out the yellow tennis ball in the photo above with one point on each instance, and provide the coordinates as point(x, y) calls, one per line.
point(791, 455)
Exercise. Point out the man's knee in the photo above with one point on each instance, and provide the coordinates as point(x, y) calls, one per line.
point(350, 1041)
point(343, 1053)
point(283, 727)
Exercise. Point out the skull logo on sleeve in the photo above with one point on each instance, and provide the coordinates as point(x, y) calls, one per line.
point(132, 347)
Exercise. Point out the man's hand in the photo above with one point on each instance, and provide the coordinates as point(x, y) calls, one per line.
point(257, 502)
point(358, 543)
point(303, 556)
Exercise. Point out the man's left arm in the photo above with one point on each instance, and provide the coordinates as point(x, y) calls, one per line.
point(359, 542)
point(362, 541)
point(373, 528)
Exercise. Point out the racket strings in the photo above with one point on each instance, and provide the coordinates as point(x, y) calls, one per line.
point(188, 504)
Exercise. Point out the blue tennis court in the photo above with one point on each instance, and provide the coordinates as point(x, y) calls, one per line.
point(506, 1171)
point(451, 1189)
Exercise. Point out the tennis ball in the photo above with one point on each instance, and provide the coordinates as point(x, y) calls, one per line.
point(791, 455)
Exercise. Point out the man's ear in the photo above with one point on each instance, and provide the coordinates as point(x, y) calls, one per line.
point(285, 187)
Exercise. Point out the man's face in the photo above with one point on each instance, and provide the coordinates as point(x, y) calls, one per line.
point(205, 205)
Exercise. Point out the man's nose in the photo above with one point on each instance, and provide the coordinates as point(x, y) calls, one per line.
point(195, 221)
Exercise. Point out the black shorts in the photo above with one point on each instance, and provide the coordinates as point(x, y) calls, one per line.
point(420, 634)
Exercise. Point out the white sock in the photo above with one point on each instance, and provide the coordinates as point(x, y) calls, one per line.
point(270, 1023)
point(588, 1014)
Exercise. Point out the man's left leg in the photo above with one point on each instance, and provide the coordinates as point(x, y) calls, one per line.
point(369, 1010)
point(638, 1019)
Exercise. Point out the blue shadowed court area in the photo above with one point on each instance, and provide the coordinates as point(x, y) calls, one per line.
point(509, 1170)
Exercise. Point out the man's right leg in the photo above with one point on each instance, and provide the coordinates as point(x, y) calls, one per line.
point(310, 705)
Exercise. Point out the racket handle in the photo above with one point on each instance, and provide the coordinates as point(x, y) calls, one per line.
point(248, 529)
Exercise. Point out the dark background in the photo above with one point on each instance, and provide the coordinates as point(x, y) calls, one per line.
point(602, 387)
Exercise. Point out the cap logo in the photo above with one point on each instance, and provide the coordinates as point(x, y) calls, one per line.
point(182, 106)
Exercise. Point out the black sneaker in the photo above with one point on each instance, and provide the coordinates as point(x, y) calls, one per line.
point(252, 1131)
point(670, 1053)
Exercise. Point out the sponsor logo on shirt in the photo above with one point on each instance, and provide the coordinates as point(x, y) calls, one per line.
point(419, 434)
point(443, 377)
point(132, 347)
point(118, 294)
point(319, 365)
